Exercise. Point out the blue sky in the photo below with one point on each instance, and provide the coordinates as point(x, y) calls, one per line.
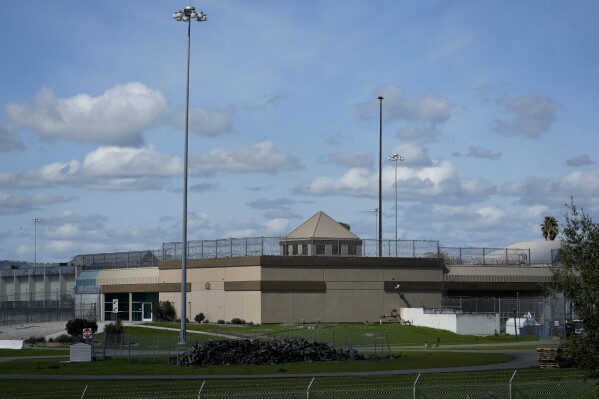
point(491, 103)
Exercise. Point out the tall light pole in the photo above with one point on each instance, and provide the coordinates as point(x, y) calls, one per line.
point(186, 15)
point(395, 158)
point(380, 239)
point(35, 221)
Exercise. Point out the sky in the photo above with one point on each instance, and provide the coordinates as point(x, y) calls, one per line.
point(491, 103)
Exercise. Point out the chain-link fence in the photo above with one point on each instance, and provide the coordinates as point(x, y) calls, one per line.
point(273, 246)
point(496, 385)
point(548, 316)
point(14, 316)
point(371, 343)
point(164, 347)
point(118, 259)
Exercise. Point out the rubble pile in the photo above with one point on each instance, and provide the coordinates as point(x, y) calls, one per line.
point(256, 352)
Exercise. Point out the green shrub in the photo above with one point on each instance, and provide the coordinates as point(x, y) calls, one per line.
point(66, 339)
point(220, 321)
point(165, 311)
point(237, 320)
point(114, 328)
point(35, 340)
point(75, 327)
point(200, 317)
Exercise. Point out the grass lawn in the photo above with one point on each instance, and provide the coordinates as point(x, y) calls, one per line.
point(400, 361)
point(398, 334)
point(34, 352)
point(527, 384)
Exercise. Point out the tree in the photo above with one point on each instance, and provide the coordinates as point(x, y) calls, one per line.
point(578, 280)
point(165, 311)
point(549, 228)
point(75, 327)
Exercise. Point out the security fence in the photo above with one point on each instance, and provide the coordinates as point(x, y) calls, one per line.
point(277, 246)
point(117, 259)
point(548, 315)
point(371, 343)
point(496, 385)
point(164, 347)
point(14, 316)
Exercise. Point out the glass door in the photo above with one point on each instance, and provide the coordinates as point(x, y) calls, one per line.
point(146, 311)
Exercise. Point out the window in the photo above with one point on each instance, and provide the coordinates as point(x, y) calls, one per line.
point(351, 248)
point(320, 248)
point(295, 252)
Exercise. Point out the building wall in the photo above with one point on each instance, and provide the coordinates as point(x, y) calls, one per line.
point(460, 323)
point(291, 289)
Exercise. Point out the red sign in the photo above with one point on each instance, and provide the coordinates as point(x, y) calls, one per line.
point(87, 333)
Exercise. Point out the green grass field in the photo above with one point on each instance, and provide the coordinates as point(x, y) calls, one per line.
point(527, 384)
point(399, 335)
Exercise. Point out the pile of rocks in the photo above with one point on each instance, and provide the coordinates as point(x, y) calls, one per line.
point(251, 351)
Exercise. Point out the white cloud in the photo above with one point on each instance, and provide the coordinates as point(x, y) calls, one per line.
point(254, 158)
point(423, 113)
point(414, 155)
point(533, 115)
point(11, 203)
point(116, 117)
point(582, 185)
point(431, 107)
point(206, 122)
point(580, 160)
point(144, 168)
point(439, 180)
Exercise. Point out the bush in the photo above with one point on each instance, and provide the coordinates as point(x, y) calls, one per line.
point(220, 321)
point(200, 317)
point(114, 328)
point(237, 320)
point(165, 311)
point(66, 339)
point(75, 327)
point(35, 340)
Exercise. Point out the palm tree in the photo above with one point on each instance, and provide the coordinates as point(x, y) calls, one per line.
point(549, 228)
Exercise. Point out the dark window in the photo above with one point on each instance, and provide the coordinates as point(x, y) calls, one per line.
point(335, 248)
point(295, 249)
point(320, 249)
point(351, 248)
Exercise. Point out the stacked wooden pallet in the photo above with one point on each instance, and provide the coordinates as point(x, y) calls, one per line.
point(548, 356)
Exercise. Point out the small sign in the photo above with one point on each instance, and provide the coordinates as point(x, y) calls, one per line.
point(556, 323)
point(115, 306)
point(87, 333)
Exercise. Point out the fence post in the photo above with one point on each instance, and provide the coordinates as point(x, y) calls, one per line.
point(510, 384)
point(83, 394)
point(414, 387)
point(201, 388)
point(308, 389)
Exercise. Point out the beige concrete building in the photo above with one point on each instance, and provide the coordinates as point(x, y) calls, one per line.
point(320, 274)
point(283, 289)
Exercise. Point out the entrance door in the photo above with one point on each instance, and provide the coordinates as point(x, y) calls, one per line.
point(146, 311)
